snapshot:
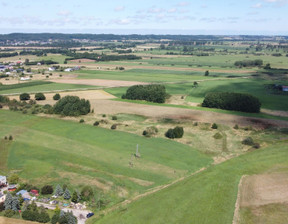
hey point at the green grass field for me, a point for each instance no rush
(151, 75)
(55, 151)
(239, 85)
(40, 86)
(207, 197)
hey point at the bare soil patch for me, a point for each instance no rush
(116, 107)
(82, 60)
(97, 82)
(87, 94)
(264, 189)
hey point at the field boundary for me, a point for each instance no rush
(236, 217)
(147, 193)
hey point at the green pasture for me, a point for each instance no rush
(40, 86)
(51, 151)
(239, 85)
(207, 197)
(217, 60)
(152, 75)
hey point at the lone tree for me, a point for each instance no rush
(67, 194)
(206, 73)
(8, 201)
(59, 190)
(56, 96)
(40, 96)
(24, 96)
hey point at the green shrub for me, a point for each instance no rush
(232, 101)
(56, 96)
(24, 96)
(13, 179)
(72, 106)
(114, 117)
(114, 126)
(9, 213)
(87, 193)
(177, 132)
(10, 137)
(217, 136)
(214, 126)
(96, 123)
(150, 131)
(248, 141)
(81, 121)
(236, 127)
(40, 96)
(151, 93)
(47, 189)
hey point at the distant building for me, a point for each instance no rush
(285, 88)
(2, 197)
(68, 70)
(24, 78)
(3, 180)
(51, 69)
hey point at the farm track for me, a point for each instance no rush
(149, 192)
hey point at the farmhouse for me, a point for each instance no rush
(51, 69)
(24, 78)
(3, 180)
(285, 88)
(12, 187)
(25, 195)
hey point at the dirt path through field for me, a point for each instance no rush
(137, 66)
(97, 82)
(115, 107)
(151, 191)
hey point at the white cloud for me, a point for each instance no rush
(183, 4)
(64, 13)
(172, 10)
(155, 10)
(119, 8)
(257, 6)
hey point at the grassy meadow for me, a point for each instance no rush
(54, 151)
(207, 197)
(40, 86)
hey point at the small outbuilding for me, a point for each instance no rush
(285, 88)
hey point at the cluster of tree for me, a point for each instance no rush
(101, 57)
(42, 62)
(32, 213)
(11, 203)
(151, 93)
(40, 96)
(176, 132)
(44, 52)
(249, 63)
(6, 55)
(72, 106)
(63, 218)
(232, 101)
(123, 51)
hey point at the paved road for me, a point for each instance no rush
(76, 212)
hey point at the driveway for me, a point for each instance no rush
(76, 212)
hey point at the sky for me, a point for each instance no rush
(256, 17)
